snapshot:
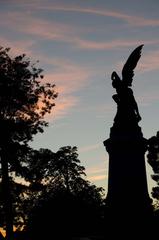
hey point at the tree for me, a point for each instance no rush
(65, 203)
(59, 214)
(67, 166)
(153, 160)
(45, 173)
(38, 175)
(24, 101)
(48, 172)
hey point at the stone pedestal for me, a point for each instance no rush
(128, 202)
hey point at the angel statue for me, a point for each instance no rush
(127, 107)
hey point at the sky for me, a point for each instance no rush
(78, 44)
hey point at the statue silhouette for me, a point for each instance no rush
(127, 202)
(127, 106)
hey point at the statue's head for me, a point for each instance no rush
(116, 82)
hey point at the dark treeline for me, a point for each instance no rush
(65, 204)
(45, 194)
(56, 200)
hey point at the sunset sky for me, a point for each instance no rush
(79, 43)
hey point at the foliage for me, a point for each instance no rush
(58, 190)
(66, 215)
(24, 101)
(49, 176)
(67, 166)
(153, 160)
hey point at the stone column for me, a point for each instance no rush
(127, 201)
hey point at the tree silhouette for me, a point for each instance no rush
(44, 167)
(24, 101)
(48, 174)
(66, 201)
(71, 202)
(67, 166)
(153, 160)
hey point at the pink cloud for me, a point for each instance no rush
(69, 81)
(89, 148)
(96, 170)
(17, 46)
(85, 44)
(132, 20)
(149, 97)
(97, 178)
(150, 61)
(100, 168)
(69, 78)
(51, 30)
(37, 27)
(62, 108)
(97, 173)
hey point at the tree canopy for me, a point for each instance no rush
(66, 200)
(153, 160)
(24, 100)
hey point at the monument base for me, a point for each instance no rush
(128, 205)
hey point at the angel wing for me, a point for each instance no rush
(128, 69)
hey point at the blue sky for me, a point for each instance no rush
(79, 44)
